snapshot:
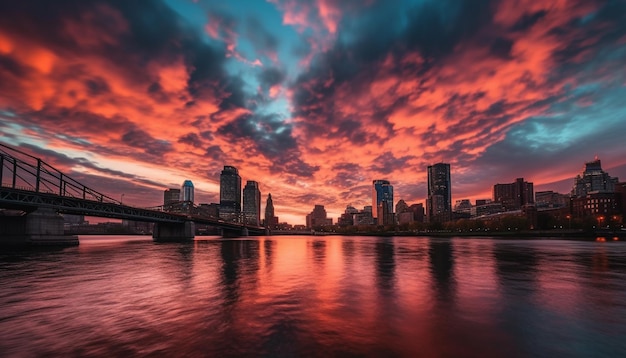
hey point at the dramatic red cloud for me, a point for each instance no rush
(143, 104)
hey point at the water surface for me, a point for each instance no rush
(315, 296)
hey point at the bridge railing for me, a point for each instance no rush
(19, 170)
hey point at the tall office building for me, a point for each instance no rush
(515, 195)
(186, 192)
(271, 221)
(252, 203)
(439, 201)
(171, 195)
(382, 202)
(230, 194)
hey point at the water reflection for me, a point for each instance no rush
(316, 296)
(441, 256)
(385, 265)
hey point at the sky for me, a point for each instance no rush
(315, 99)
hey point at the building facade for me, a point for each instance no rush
(318, 217)
(230, 194)
(252, 203)
(514, 196)
(439, 200)
(382, 202)
(187, 191)
(593, 180)
(271, 221)
(171, 196)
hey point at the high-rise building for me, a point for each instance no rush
(252, 203)
(439, 201)
(593, 180)
(382, 202)
(230, 194)
(271, 221)
(186, 192)
(514, 196)
(171, 195)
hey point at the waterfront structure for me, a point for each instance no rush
(382, 202)
(171, 195)
(363, 217)
(271, 221)
(230, 194)
(593, 180)
(596, 194)
(347, 218)
(252, 203)
(439, 200)
(514, 196)
(401, 206)
(318, 217)
(549, 200)
(187, 191)
(418, 212)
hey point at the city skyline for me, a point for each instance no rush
(314, 100)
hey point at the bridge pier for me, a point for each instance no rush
(174, 232)
(42, 227)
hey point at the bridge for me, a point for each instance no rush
(33, 194)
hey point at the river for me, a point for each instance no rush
(326, 296)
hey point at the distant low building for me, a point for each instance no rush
(514, 196)
(318, 217)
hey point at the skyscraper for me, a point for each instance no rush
(230, 194)
(186, 192)
(252, 203)
(439, 201)
(382, 202)
(271, 221)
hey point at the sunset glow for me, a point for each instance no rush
(314, 99)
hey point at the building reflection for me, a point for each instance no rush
(268, 248)
(441, 256)
(385, 265)
(319, 251)
(239, 258)
(516, 267)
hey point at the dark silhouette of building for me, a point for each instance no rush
(230, 194)
(208, 210)
(550, 199)
(363, 217)
(515, 195)
(418, 212)
(593, 180)
(596, 194)
(439, 201)
(252, 203)
(318, 217)
(171, 195)
(271, 221)
(347, 218)
(382, 202)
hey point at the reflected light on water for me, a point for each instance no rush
(315, 296)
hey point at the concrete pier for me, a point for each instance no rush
(174, 232)
(42, 227)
